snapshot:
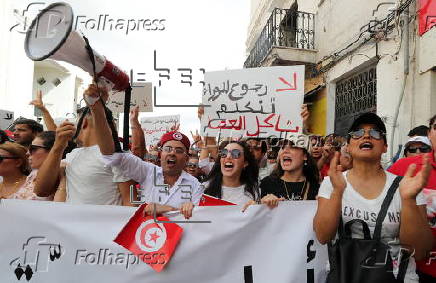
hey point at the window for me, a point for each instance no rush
(355, 95)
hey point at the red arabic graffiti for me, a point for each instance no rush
(240, 124)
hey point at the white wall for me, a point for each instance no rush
(338, 23)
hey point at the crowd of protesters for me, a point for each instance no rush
(82, 163)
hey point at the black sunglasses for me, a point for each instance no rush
(33, 148)
(7, 157)
(235, 153)
(421, 149)
(373, 133)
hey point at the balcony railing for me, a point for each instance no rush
(284, 28)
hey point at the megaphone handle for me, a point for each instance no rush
(127, 97)
(91, 56)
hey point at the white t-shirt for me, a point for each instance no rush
(355, 206)
(236, 195)
(89, 181)
(151, 178)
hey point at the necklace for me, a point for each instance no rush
(299, 196)
(15, 186)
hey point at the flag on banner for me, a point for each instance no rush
(154, 243)
(207, 200)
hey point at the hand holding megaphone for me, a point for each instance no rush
(94, 93)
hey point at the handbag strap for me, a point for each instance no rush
(384, 208)
(365, 228)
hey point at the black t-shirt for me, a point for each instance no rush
(287, 190)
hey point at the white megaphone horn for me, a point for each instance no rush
(50, 36)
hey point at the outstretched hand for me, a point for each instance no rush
(37, 102)
(411, 185)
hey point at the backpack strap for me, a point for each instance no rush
(384, 208)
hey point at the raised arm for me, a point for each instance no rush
(414, 228)
(326, 220)
(103, 132)
(48, 120)
(48, 174)
(138, 139)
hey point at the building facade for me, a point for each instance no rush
(364, 57)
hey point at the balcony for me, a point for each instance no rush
(287, 38)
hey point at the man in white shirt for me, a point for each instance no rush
(88, 180)
(166, 188)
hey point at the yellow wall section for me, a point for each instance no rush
(318, 114)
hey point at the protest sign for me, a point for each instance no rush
(155, 127)
(255, 102)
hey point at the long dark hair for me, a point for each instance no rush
(249, 175)
(310, 171)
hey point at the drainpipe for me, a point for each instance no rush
(406, 73)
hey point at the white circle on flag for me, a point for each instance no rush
(177, 136)
(150, 236)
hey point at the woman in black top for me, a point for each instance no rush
(295, 177)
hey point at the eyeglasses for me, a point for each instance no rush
(373, 133)
(33, 148)
(235, 153)
(421, 149)
(169, 149)
(7, 157)
(192, 164)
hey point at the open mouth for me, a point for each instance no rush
(171, 161)
(366, 146)
(287, 160)
(228, 165)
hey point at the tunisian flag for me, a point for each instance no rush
(154, 243)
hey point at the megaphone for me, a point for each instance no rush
(50, 36)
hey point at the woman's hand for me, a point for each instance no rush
(336, 176)
(250, 202)
(271, 200)
(410, 185)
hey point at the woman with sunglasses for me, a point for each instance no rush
(359, 193)
(295, 177)
(38, 152)
(234, 176)
(14, 169)
(417, 146)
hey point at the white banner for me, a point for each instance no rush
(57, 242)
(257, 102)
(155, 127)
(6, 119)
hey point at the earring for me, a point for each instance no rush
(305, 162)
